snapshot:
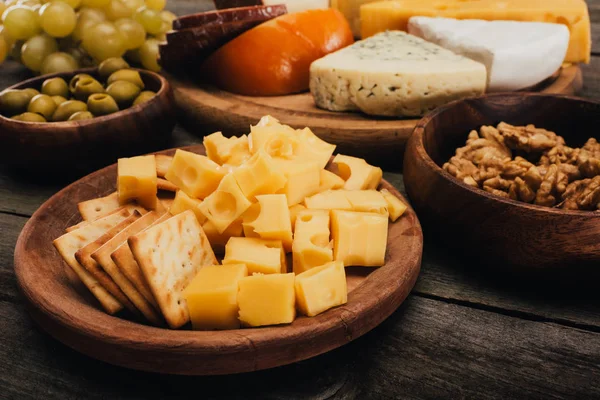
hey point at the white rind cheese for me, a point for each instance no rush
(516, 54)
(393, 74)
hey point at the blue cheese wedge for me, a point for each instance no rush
(516, 54)
(393, 74)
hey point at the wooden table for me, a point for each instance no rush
(462, 333)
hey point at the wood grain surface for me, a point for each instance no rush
(463, 333)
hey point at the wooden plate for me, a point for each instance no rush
(76, 320)
(206, 109)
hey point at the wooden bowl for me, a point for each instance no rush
(499, 231)
(76, 319)
(81, 146)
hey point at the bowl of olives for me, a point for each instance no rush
(81, 120)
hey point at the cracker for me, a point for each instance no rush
(170, 255)
(163, 163)
(164, 184)
(103, 206)
(69, 243)
(77, 226)
(102, 257)
(83, 256)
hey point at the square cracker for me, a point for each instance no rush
(163, 163)
(103, 206)
(125, 262)
(69, 243)
(170, 255)
(102, 257)
(83, 256)
(163, 184)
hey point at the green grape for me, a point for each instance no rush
(161, 37)
(75, 4)
(83, 26)
(95, 3)
(83, 59)
(134, 4)
(2, 7)
(59, 62)
(117, 9)
(36, 49)
(94, 14)
(149, 55)
(168, 17)
(9, 41)
(3, 49)
(21, 22)
(58, 19)
(157, 5)
(132, 31)
(11, 3)
(104, 41)
(150, 20)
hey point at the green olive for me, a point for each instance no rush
(68, 108)
(123, 92)
(102, 104)
(126, 75)
(75, 79)
(86, 87)
(31, 92)
(14, 101)
(29, 117)
(111, 65)
(42, 104)
(144, 97)
(81, 115)
(58, 100)
(55, 87)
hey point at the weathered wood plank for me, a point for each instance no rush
(10, 226)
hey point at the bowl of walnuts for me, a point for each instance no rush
(510, 178)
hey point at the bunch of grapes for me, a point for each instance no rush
(49, 36)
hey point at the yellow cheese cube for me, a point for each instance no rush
(232, 151)
(321, 288)
(183, 202)
(196, 175)
(303, 179)
(394, 15)
(137, 180)
(273, 220)
(357, 173)
(329, 181)
(259, 175)
(226, 204)
(212, 297)
(328, 200)
(259, 255)
(359, 238)
(367, 200)
(314, 148)
(267, 300)
(248, 218)
(311, 246)
(219, 240)
(294, 210)
(394, 205)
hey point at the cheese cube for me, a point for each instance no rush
(394, 205)
(329, 181)
(248, 218)
(359, 238)
(303, 179)
(259, 175)
(267, 300)
(314, 148)
(219, 240)
(321, 288)
(367, 200)
(260, 255)
(294, 210)
(232, 151)
(273, 220)
(311, 246)
(136, 180)
(196, 175)
(212, 297)
(183, 202)
(226, 204)
(328, 200)
(357, 173)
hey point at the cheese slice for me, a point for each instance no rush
(351, 10)
(510, 50)
(393, 74)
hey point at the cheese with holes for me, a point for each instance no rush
(260, 255)
(357, 173)
(212, 297)
(231, 151)
(217, 239)
(259, 175)
(303, 179)
(321, 288)
(328, 200)
(314, 148)
(329, 180)
(226, 204)
(248, 217)
(273, 219)
(391, 15)
(394, 205)
(294, 210)
(311, 246)
(510, 50)
(267, 300)
(183, 202)
(196, 175)
(393, 74)
(136, 180)
(359, 238)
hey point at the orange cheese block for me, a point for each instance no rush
(274, 57)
